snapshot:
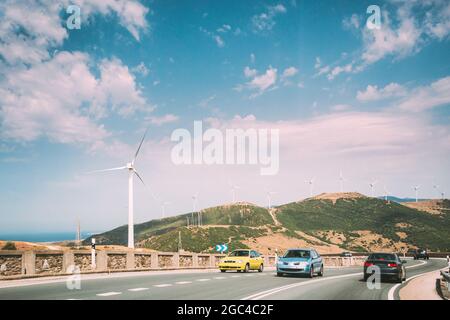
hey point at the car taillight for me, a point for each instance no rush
(368, 264)
(392, 265)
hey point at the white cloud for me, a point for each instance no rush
(249, 73)
(224, 28)
(219, 41)
(167, 118)
(141, 69)
(43, 27)
(260, 83)
(289, 72)
(266, 20)
(341, 107)
(338, 70)
(372, 93)
(352, 22)
(217, 38)
(252, 58)
(427, 97)
(61, 99)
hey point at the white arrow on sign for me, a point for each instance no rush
(221, 247)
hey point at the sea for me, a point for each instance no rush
(44, 236)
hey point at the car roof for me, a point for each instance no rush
(305, 249)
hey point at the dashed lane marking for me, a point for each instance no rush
(108, 294)
(162, 285)
(183, 282)
(137, 289)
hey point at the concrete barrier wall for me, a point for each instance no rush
(16, 264)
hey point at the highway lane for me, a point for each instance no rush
(352, 287)
(343, 283)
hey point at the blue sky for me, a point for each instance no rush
(370, 103)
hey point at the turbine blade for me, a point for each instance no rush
(140, 145)
(137, 174)
(104, 170)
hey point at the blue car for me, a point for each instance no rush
(300, 261)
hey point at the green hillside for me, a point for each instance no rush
(239, 214)
(346, 214)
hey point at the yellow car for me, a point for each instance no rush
(242, 260)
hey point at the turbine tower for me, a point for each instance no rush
(233, 191)
(416, 189)
(311, 186)
(131, 173)
(163, 208)
(269, 198)
(341, 181)
(372, 185)
(386, 194)
(194, 206)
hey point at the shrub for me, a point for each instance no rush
(9, 246)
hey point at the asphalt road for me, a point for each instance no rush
(342, 283)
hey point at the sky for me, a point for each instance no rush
(372, 104)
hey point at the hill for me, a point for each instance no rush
(331, 222)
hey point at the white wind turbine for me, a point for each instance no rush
(269, 198)
(233, 191)
(372, 185)
(194, 208)
(386, 193)
(163, 208)
(311, 186)
(341, 181)
(416, 189)
(131, 172)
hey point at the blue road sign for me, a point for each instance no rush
(221, 247)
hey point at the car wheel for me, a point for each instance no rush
(311, 272)
(247, 268)
(279, 274)
(261, 268)
(222, 270)
(238, 270)
(321, 271)
(366, 277)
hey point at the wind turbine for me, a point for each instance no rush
(311, 186)
(269, 198)
(131, 172)
(386, 192)
(233, 191)
(163, 207)
(341, 181)
(372, 185)
(416, 189)
(194, 206)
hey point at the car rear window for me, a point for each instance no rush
(382, 256)
(297, 254)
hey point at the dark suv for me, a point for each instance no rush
(421, 254)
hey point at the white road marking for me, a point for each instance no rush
(219, 278)
(416, 265)
(248, 275)
(183, 282)
(202, 280)
(162, 285)
(236, 276)
(73, 299)
(392, 290)
(108, 294)
(266, 293)
(137, 289)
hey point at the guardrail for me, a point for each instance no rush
(21, 264)
(445, 284)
